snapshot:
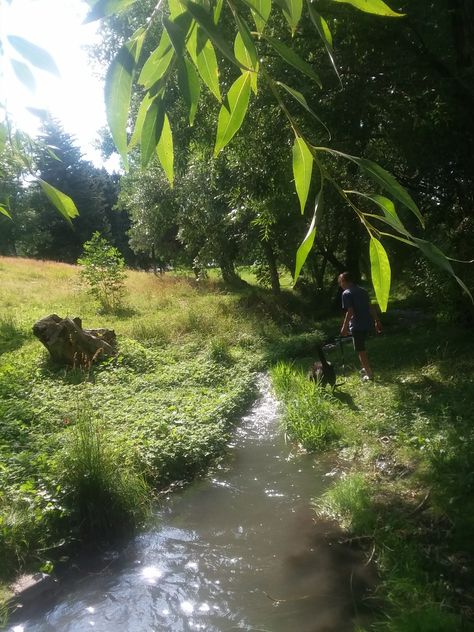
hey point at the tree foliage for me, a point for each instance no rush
(199, 44)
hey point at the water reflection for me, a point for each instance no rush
(236, 551)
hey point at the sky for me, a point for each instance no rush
(76, 98)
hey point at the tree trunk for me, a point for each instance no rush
(69, 344)
(272, 266)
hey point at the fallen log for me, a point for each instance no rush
(68, 343)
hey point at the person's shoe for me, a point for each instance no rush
(363, 372)
(367, 378)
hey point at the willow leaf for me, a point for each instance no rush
(242, 54)
(289, 55)
(118, 91)
(232, 113)
(4, 211)
(204, 57)
(164, 150)
(383, 178)
(151, 130)
(261, 10)
(324, 33)
(24, 74)
(189, 86)
(206, 22)
(292, 11)
(302, 170)
(306, 245)
(381, 273)
(33, 54)
(137, 130)
(60, 200)
(157, 63)
(376, 7)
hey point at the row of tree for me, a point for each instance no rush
(403, 96)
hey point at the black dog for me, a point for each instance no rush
(323, 372)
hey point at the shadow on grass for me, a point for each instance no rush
(11, 337)
(346, 399)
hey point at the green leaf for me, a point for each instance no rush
(24, 74)
(103, 8)
(243, 56)
(34, 54)
(4, 211)
(176, 8)
(382, 178)
(151, 130)
(217, 11)
(177, 30)
(118, 91)
(388, 209)
(261, 10)
(434, 254)
(190, 87)
(206, 22)
(247, 43)
(292, 11)
(60, 200)
(372, 6)
(324, 32)
(232, 113)
(380, 271)
(388, 182)
(164, 150)
(302, 101)
(293, 59)
(137, 130)
(204, 57)
(302, 169)
(306, 245)
(157, 63)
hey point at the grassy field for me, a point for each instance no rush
(83, 451)
(405, 483)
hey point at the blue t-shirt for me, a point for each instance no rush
(357, 298)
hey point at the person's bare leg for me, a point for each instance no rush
(364, 361)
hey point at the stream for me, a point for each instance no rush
(239, 549)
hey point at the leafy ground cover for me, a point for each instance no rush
(81, 451)
(405, 455)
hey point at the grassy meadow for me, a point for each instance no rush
(404, 452)
(83, 452)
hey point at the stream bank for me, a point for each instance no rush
(237, 549)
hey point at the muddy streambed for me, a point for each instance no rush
(237, 550)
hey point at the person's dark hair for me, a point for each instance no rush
(347, 277)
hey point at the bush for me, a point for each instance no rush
(105, 495)
(104, 272)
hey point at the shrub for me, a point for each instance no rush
(104, 494)
(104, 272)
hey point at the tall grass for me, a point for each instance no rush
(107, 496)
(307, 408)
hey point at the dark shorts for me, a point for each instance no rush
(359, 338)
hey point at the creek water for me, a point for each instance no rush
(237, 550)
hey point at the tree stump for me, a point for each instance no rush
(69, 344)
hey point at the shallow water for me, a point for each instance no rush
(237, 550)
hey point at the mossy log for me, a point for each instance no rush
(68, 343)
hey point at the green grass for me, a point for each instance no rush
(406, 452)
(307, 412)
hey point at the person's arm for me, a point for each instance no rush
(345, 324)
(378, 324)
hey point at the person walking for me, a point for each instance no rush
(359, 319)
